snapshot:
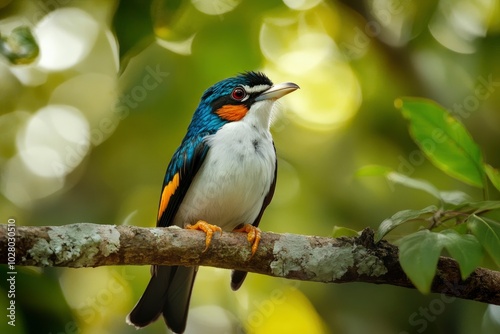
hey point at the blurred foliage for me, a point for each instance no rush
(20, 47)
(70, 153)
(461, 228)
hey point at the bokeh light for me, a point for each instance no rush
(217, 7)
(298, 48)
(458, 24)
(94, 94)
(66, 37)
(54, 141)
(301, 4)
(23, 187)
(63, 115)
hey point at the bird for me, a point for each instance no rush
(221, 178)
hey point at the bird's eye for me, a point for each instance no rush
(238, 94)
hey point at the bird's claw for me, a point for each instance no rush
(209, 230)
(253, 236)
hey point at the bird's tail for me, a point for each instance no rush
(167, 293)
(237, 278)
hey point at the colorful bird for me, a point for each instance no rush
(223, 173)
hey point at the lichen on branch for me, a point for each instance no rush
(301, 257)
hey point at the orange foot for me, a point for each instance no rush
(209, 230)
(253, 236)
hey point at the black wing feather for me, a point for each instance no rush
(186, 161)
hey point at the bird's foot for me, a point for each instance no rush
(209, 230)
(253, 236)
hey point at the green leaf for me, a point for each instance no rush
(444, 140)
(464, 248)
(454, 197)
(402, 217)
(413, 183)
(461, 229)
(493, 175)
(477, 207)
(419, 254)
(488, 234)
(339, 231)
(373, 170)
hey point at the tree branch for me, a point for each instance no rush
(308, 258)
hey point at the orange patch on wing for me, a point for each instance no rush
(168, 191)
(232, 112)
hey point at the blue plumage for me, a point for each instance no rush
(186, 161)
(204, 119)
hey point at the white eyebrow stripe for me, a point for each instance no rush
(256, 89)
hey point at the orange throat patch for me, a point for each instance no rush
(232, 112)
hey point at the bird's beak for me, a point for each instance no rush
(277, 91)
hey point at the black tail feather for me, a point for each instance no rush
(168, 292)
(237, 278)
(175, 310)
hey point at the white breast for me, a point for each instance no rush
(235, 177)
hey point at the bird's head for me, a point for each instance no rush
(250, 95)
